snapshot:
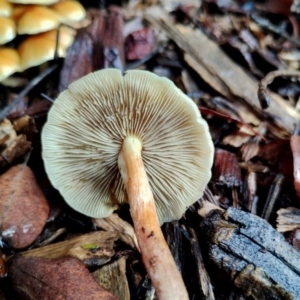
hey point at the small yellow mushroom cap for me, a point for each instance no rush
(36, 19)
(40, 2)
(70, 12)
(5, 8)
(40, 48)
(7, 30)
(9, 62)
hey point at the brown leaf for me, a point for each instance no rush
(66, 278)
(139, 43)
(23, 207)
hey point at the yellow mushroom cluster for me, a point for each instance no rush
(38, 21)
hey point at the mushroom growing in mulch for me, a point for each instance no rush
(134, 138)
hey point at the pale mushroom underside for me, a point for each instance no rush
(88, 122)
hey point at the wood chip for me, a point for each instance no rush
(288, 219)
(225, 76)
(12, 146)
(94, 248)
(115, 224)
(256, 257)
(226, 169)
(113, 278)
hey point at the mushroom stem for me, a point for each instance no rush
(156, 254)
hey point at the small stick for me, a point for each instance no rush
(205, 286)
(263, 98)
(269, 26)
(26, 90)
(47, 97)
(272, 196)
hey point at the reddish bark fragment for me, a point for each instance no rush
(295, 238)
(226, 169)
(139, 44)
(295, 147)
(100, 45)
(23, 207)
(2, 267)
(78, 61)
(65, 278)
(113, 41)
(282, 7)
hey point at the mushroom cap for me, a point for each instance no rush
(36, 19)
(37, 49)
(88, 122)
(7, 30)
(70, 11)
(5, 8)
(9, 62)
(41, 2)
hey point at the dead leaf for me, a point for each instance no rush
(66, 279)
(23, 207)
(139, 43)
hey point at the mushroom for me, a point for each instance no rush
(137, 139)
(36, 19)
(7, 30)
(39, 48)
(70, 12)
(41, 2)
(9, 62)
(5, 8)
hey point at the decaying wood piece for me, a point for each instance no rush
(227, 173)
(35, 278)
(288, 219)
(115, 224)
(229, 79)
(204, 282)
(255, 256)
(173, 234)
(12, 145)
(273, 195)
(113, 278)
(95, 248)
